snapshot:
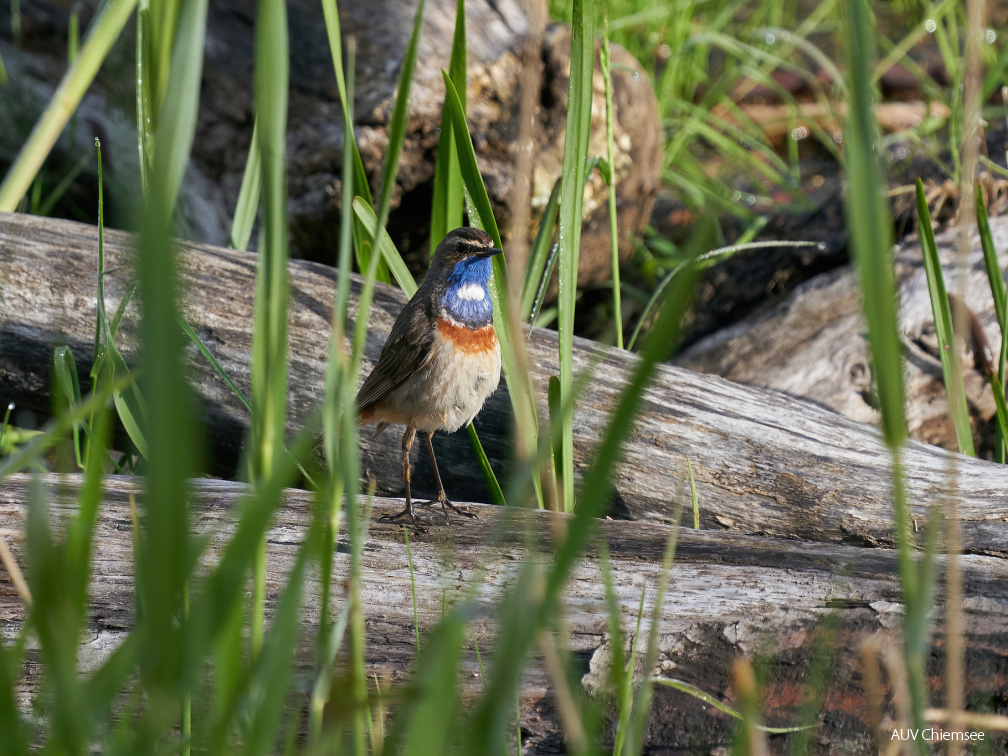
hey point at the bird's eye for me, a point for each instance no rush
(459, 248)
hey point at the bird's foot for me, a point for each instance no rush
(407, 516)
(442, 499)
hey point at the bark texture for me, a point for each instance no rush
(729, 596)
(813, 343)
(763, 461)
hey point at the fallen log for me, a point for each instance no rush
(812, 344)
(763, 461)
(729, 596)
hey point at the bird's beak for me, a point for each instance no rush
(489, 252)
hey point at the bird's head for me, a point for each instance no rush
(462, 267)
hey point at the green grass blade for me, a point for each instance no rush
(447, 200)
(575, 159)
(100, 288)
(532, 601)
(951, 366)
(80, 533)
(176, 122)
(397, 130)
(357, 531)
(642, 704)
(426, 721)
(555, 403)
(164, 557)
(347, 200)
(606, 66)
(14, 731)
(269, 351)
(870, 225)
(57, 637)
(496, 494)
(994, 276)
(385, 246)
(540, 297)
(248, 196)
(360, 182)
(1000, 452)
(214, 363)
(144, 114)
(270, 683)
(58, 427)
(339, 425)
(5, 446)
(131, 407)
(473, 179)
(102, 34)
(164, 20)
(997, 286)
(481, 216)
(269, 370)
(1002, 407)
(536, 276)
(65, 370)
(870, 229)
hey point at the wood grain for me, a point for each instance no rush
(812, 344)
(729, 595)
(764, 461)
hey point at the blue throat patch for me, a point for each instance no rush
(461, 300)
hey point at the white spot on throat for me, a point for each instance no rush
(471, 292)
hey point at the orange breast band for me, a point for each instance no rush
(471, 341)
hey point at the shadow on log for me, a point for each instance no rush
(729, 596)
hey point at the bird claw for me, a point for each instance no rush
(446, 505)
(407, 517)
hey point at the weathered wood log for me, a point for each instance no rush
(763, 461)
(728, 596)
(812, 344)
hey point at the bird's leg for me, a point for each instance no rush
(406, 514)
(442, 497)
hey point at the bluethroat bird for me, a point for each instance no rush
(442, 359)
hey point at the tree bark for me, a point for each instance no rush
(728, 596)
(763, 461)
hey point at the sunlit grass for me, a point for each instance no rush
(575, 170)
(102, 33)
(870, 229)
(947, 349)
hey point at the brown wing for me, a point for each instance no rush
(409, 348)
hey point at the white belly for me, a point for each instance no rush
(451, 390)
